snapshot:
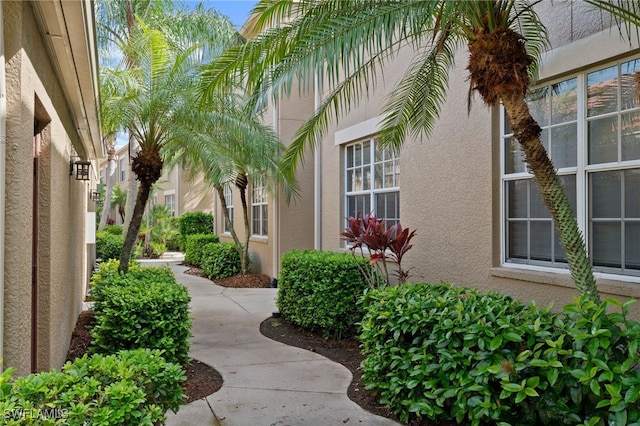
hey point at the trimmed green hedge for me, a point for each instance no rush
(195, 245)
(483, 358)
(192, 223)
(145, 308)
(130, 387)
(319, 290)
(113, 230)
(108, 245)
(220, 260)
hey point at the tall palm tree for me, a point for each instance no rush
(110, 125)
(119, 200)
(117, 23)
(155, 99)
(236, 148)
(347, 41)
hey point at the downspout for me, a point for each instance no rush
(317, 175)
(276, 203)
(3, 144)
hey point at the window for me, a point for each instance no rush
(372, 181)
(591, 130)
(170, 203)
(228, 199)
(123, 170)
(259, 208)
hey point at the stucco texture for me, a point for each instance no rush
(33, 92)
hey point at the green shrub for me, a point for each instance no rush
(195, 223)
(194, 246)
(220, 260)
(145, 308)
(131, 387)
(454, 353)
(425, 346)
(113, 230)
(319, 290)
(587, 372)
(108, 246)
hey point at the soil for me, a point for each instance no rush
(237, 281)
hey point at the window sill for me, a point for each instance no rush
(562, 278)
(259, 239)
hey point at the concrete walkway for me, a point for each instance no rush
(266, 383)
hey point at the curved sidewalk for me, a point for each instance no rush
(266, 383)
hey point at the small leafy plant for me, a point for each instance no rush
(383, 245)
(130, 387)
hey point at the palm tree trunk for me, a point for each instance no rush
(527, 132)
(244, 257)
(132, 188)
(134, 227)
(109, 175)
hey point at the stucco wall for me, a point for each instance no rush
(62, 202)
(450, 182)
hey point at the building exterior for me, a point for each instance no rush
(48, 121)
(465, 189)
(173, 190)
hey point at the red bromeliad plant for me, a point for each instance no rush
(382, 244)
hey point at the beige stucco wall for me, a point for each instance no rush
(450, 182)
(63, 201)
(191, 195)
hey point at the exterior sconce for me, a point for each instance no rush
(81, 166)
(95, 196)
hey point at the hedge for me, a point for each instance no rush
(483, 358)
(195, 223)
(220, 260)
(319, 290)
(145, 308)
(194, 246)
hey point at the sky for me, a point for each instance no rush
(236, 10)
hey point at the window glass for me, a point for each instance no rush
(596, 112)
(372, 181)
(259, 207)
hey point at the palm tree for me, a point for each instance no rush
(235, 148)
(119, 200)
(346, 41)
(117, 23)
(155, 97)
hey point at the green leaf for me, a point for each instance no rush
(512, 387)
(621, 418)
(495, 343)
(512, 337)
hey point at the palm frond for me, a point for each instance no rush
(626, 13)
(414, 104)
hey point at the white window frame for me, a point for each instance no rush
(123, 170)
(228, 198)
(581, 171)
(170, 202)
(373, 191)
(259, 208)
